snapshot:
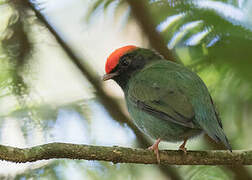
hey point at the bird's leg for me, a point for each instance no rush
(182, 146)
(154, 148)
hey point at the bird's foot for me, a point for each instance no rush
(182, 146)
(154, 148)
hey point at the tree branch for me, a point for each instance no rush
(240, 172)
(123, 155)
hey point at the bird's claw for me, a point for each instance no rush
(183, 149)
(182, 146)
(154, 148)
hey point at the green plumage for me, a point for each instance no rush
(167, 100)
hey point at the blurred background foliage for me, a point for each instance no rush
(44, 96)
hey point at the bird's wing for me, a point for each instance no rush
(154, 92)
(216, 113)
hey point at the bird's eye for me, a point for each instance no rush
(125, 62)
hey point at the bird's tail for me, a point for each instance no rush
(215, 131)
(218, 135)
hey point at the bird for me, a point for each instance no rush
(166, 100)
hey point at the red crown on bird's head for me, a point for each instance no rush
(114, 57)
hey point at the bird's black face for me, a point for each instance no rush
(129, 64)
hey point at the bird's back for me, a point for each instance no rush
(165, 74)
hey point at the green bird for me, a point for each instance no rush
(166, 100)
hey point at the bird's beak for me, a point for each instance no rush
(109, 76)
